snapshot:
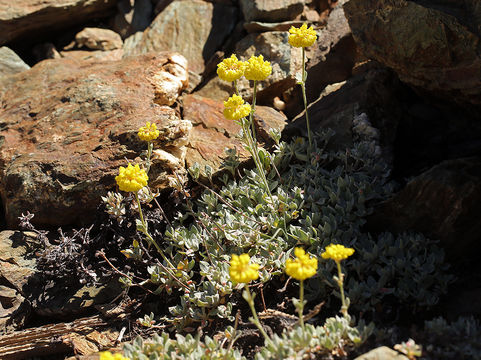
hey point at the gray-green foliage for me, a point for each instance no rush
(335, 336)
(161, 347)
(456, 340)
(318, 199)
(408, 267)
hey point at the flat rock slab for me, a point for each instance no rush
(68, 125)
(432, 47)
(22, 18)
(196, 29)
(212, 132)
(382, 353)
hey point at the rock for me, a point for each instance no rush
(443, 203)
(434, 48)
(257, 26)
(194, 28)
(10, 62)
(271, 10)
(285, 61)
(330, 59)
(24, 18)
(99, 55)
(98, 39)
(17, 267)
(132, 16)
(216, 89)
(67, 126)
(374, 93)
(212, 133)
(382, 353)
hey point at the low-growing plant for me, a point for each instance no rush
(459, 339)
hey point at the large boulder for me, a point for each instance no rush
(22, 18)
(433, 47)
(443, 203)
(196, 29)
(68, 125)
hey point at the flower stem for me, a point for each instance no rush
(255, 319)
(146, 231)
(303, 88)
(340, 282)
(150, 147)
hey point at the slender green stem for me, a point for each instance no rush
(255, 319)
(301, 304)
(251, 115)
(150, 147)
(236, 88)
(303, 88)
(340, 282)
(250, 141)
(146, 231)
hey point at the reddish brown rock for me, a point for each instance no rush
(432, 47)
(68, 125)
(212, 132)
(21, 18)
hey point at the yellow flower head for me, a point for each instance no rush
(337, 252)
(235, 108)
(148, 132)
(230, 69)
(257, 68)
(241, 271)
(302, 267)
(302, 37)
(131, 178)
(107, 355)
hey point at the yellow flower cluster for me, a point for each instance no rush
(148, 132)
(302, 267)
(131, 178)
(241, 271)
(302, 37)
(230, 69)
(257, 69)
(235, 108)
(107, 355)
(337, 252)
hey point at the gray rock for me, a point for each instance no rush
(382, 353)
(10, 62)
(271, 10)
(285, 61)
(194, 28)
(257, 26)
